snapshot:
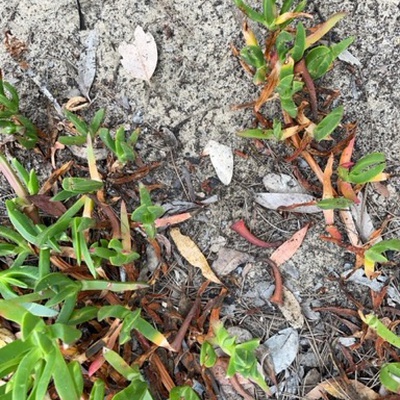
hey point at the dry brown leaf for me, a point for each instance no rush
(140, 57)
(192, 254)
(286, 250)
(291, 309)
(44, 203)
(339, 389)
(229, 259)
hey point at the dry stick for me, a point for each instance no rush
(177, 343)
(277, 297)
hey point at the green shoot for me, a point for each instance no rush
(242, 357)
(123, 148)
(82, 128)
(147, 213)
(11, 121)
(133, 320)
(368, 168)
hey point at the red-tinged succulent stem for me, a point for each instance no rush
(301, 68)
(241, 228)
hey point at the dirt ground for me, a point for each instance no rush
(188, 102)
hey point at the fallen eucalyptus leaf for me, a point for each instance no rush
(228, 260)
(192, 254)
(273, 201)
(140, 57)
(286, 250)
(222, 160)
(359, 277)
(346, 56)
(283, 348)
(340, 389)
(282, 183)
(362, 219)
(87, 64)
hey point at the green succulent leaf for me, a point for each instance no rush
(283, 44)
(340, 47)
(318, 61)
(183, 392)
(252, 14)
(299, 43)
(80, 125)
(98, 390)
(287, 4)
(208, 356)
(374, 253)
(365, 170)
(81, 185)
(328, 124)
(97, 121)
(72, 140)
(105, 136)
(389, 375)
(257, 134)
(340, 203)
(253, 55)
(269, 12)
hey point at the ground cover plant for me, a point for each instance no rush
(286, 67)
(77, 320)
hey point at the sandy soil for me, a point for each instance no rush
(196, 82)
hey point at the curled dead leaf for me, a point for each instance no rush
(291, 309)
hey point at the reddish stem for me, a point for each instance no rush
(241, 228)
(301, 68)
(277, 297)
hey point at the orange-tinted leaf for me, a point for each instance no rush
(286, 250)
(328, 190)
(172, 220)
(334, 232)
(272, 81)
